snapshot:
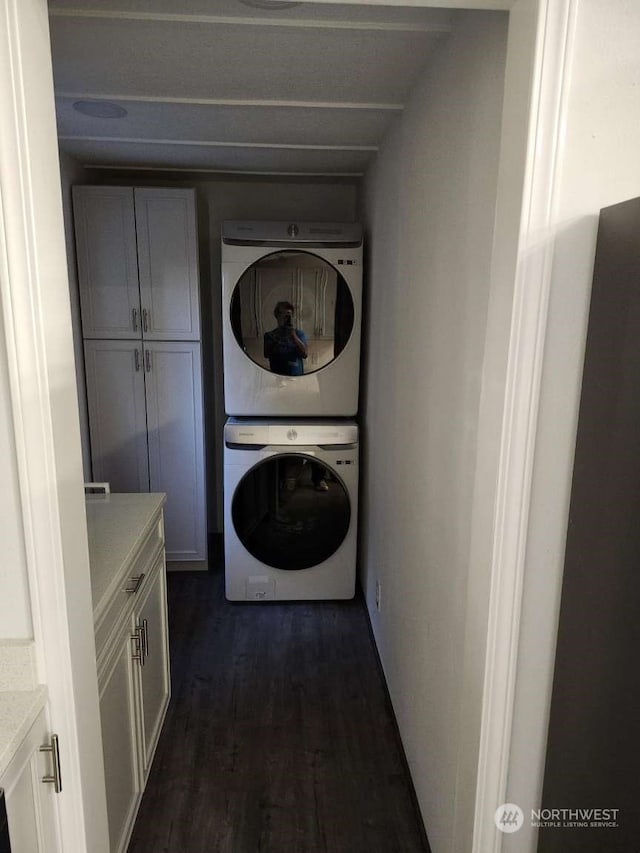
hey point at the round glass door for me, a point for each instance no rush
(291, 512)
(292, 313)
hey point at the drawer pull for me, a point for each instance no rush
(56, 778)
(136, 584)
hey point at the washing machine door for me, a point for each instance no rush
(291, 512)
(292, 313)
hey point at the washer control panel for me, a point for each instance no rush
(284, 433)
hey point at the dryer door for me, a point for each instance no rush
(292, 313)
(291, 512)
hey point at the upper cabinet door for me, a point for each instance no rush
(168, 264)
(107, 261)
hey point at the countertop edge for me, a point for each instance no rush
(18, 711)
(101, 606)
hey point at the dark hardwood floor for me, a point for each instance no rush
(279, 736)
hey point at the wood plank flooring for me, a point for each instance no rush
(279, 736)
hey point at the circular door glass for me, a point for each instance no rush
(291, 512)
(292, 313)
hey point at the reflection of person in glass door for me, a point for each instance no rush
(293, 471)
(285, 346)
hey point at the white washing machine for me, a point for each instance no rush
(306, 363)
(290, 509)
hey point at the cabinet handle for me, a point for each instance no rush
(145, 320)
(137, 359)
(56, 778)
(134, 317)
(138, 654)
(136, 584)
(145, 635)
(141, 629)
(147, 360)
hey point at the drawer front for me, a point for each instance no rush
(129, 586)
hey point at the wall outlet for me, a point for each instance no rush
(378, 595)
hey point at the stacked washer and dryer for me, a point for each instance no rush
(292, 307)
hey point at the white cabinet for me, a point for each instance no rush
(130, 620)
(152, 670)
(117, 414)
(137, 262)
(145, 417)
(138, 278)
(134, 693)
(176, 455)
(107, 261)
(119, 742)
(168, 263)
(31, 806)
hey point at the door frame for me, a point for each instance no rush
(34, 293)
(512, 374)
(37, 324)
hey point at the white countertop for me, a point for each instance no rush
(18, 710)
(21, 697)
(116, 524)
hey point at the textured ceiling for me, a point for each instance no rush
(217, 85)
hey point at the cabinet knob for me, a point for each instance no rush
(56, 778)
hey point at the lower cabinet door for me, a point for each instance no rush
(173, 389)
(119, 746)
(154, 684)
(32, 809)
(117, 414)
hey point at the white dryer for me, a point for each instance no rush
(307, 363)
(290, 509)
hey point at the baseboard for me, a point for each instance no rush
(423, 831)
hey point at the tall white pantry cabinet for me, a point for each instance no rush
(139, 297)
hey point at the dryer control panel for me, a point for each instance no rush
(331, 233)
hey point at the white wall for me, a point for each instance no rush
(600, 167)
(15, 607)
(430, 204)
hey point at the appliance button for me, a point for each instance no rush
(292, 434)
(293, 230)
